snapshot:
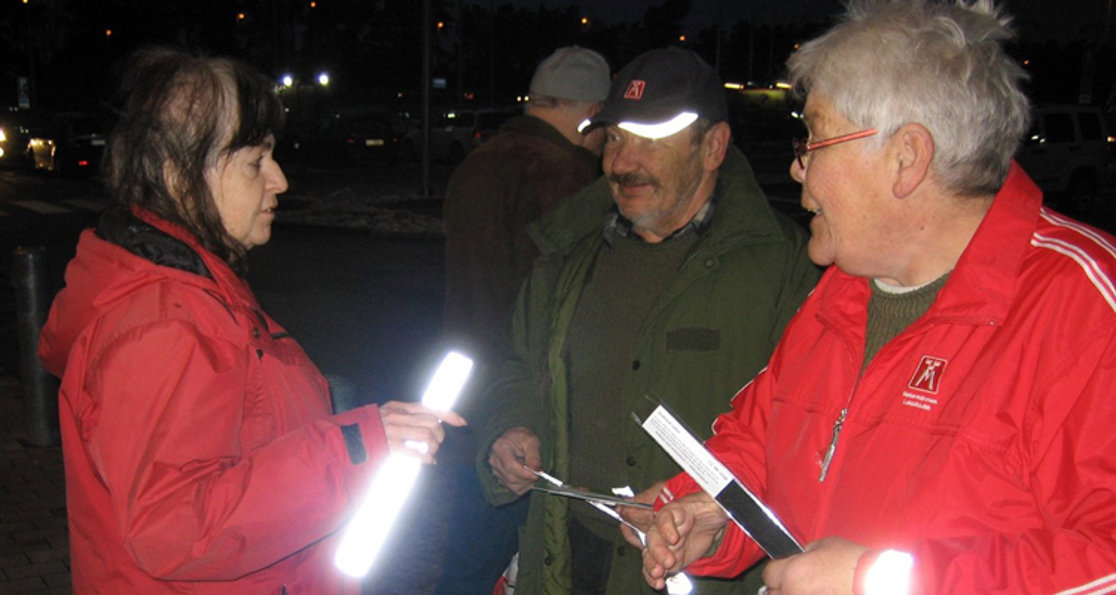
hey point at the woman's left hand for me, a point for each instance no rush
(414, 429)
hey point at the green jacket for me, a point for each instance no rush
(709, 333)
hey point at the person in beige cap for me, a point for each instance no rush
(534, 161)
(529, 165)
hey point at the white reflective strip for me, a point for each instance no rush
(661, 129)
(890, 574)
(1081, 228)
(1092, 270)
(364, 536)
(1105, 584)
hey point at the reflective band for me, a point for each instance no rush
(883, 572)
(662, 129)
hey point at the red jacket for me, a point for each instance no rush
(199, 449)
(980, 439)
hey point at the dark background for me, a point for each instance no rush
(483, 50)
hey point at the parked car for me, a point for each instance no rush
(456, 132)
(15, 129)
(346, 134)
(69, 143)
(1069, 153)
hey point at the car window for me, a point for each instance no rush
(1059, 127)
(1090, 124)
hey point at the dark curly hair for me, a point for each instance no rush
(180, 113)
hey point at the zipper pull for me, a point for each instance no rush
(829, 452)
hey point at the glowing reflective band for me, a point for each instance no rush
(889, 573)
(662, 129)
(583, 125)
(447, 382)
(369, 528)
(679, 584)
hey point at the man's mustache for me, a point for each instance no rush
(633, 179)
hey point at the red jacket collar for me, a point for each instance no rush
(983, 285)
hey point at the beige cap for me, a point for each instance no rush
(573, 73)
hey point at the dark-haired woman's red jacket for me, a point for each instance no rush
(199, 448)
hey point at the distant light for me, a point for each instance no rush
(313, 5)
(323, 79)
(441, 25)
(108, 32)
(782, 85)
(1027, 62)
(288, 81)
(681, 38)
(584, 20)
(367, 531)
(399, 95)
(734, 86)
(83, 163)
(240, 16)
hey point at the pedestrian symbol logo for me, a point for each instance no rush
(635, 90)
(928, 375)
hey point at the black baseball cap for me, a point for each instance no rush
(661, 92)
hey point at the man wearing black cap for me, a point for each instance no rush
(670, 276)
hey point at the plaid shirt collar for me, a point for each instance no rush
(617, 225)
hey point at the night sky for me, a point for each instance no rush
(485, 52)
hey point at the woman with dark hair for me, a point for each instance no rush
(199, 447)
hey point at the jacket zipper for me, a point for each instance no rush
(829, 452)
(837, 426)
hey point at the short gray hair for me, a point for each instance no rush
(940, 64)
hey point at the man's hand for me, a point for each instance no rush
(640, 517)
(515, 448)
(412, 428)
(828, 566)
(682, 532)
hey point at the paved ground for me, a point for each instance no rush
(34, 553)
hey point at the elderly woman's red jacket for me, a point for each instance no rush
(199, 448)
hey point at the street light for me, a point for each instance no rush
(323, 79)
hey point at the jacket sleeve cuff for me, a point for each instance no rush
(362, 434)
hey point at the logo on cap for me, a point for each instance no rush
(635, 90)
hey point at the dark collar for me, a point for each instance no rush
(120, 227)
